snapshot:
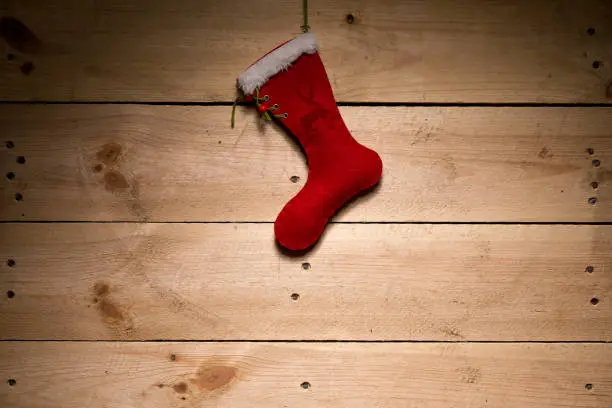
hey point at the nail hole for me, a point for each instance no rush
(294, 179)
(11, 382)
(172, 357)
(594, 184)
(306, 266)
(11, 263)
(588, 386)
(596, 163)
(10, 294)
(305, 385)
(10, 57)
(592, 200)
(21, 160)
(18, 197)
(590, 150)
(295, 296)
(10, 144)
(589, 269)
(350, 19)
(594, 301)
(27, 67)
(590, 31)
(596, 64)
(10, 175)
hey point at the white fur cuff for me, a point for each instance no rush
(279, 59)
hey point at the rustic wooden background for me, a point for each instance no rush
(139, 267)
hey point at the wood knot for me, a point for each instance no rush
(101, 289)
(18, 36)
(180, 388)
(109, 153)
(109, 311)
(214, 377)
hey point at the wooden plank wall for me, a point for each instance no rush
(375, 50)
(307, 375)
(459, 164)
(139, 267)
(421, 282)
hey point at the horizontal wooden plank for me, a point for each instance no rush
(364, 282)
(374, 50)
(162, 163)
(100, 375)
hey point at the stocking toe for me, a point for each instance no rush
(297, 228)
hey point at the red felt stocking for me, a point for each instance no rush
(290, 84)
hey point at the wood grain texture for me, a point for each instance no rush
(134, 375)
(387, 50)
(169, 163)
(364, 282)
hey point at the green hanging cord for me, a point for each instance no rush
(305, 27)
(234, 111)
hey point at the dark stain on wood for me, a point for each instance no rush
(110, 312)
(609, 90)
(485, 247)
(18, 36)
(214, 377)
(469, 375)
(115, 181)
(545, 154)
(451, 331)
(101, 289)
(135, 206)
(109, 154)
(27, 68)
(180, 388)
